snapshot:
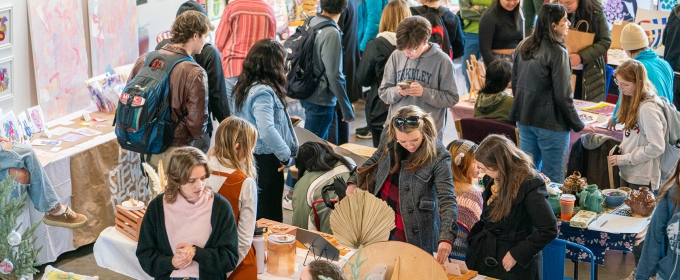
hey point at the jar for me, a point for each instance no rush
(281, 255)
(591, 199)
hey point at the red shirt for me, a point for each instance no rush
(243, 23)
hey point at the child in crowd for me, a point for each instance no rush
(641, 112)
(232, 176)
(322, 270)
(318, 165)
(517, 221)
(419, 74)
(465, 173)
(494, 102)
(660, 250)
(372, 65)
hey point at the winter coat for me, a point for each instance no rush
(370, 13)
(671, 39)
(592, 57)
(347, 23)
(589, 157)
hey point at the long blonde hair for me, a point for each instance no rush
(633, 71)
(180, 164)
(392, 15)
(232, 131)
(427, 151)
(498, 153)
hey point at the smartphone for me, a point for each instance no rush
(615, 151)
(405, 84)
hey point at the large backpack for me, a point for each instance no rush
(300, 79)
(143, 121)
(439, 34)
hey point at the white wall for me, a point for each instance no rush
(158, 13)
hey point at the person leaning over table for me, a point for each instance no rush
(411, 171)
(189, 231)
(543, 108)
(517, 221)
(588, 64)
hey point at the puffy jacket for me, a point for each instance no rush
(592, 57)
(188, 96)
(542, 89)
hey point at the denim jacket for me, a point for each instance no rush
(663, 230)
(423, 195)
(264, 110)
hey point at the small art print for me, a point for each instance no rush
(6, 76)
(36, 116)
(10, 127)
(6, 24)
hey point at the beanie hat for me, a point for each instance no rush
(633, 37)
(190, 5)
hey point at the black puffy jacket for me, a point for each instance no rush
(370, 74)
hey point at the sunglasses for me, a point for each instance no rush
(410, 121)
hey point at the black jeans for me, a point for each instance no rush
(270, 187)
(338, 133)
(634, 186)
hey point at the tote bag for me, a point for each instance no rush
(576, 40)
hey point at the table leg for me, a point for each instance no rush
(596, 271)
(575, 269)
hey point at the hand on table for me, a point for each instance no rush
(508, 261)
(611, 125)
(590, 128)
(443, 252)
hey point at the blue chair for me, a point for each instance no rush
(554, 255)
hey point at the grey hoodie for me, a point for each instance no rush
(434, 71)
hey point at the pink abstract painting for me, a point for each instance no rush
(59, 56)
(113, 34)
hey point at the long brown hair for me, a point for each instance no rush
(547, 15)
(633, 71)
(427, 151)
(498, 153)
(180, 164)
(234, 130)
(393, 14)
(664, 191)
(264, 65)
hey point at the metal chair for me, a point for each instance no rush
(476, 129)
(554, 255)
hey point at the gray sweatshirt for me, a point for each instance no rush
(643, 145)
(434, 71)
(328, 55)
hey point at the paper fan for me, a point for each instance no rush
(361, 219)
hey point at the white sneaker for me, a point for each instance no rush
(287, 203)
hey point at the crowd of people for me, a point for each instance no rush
(202, 225)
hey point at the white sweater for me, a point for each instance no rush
(643, 145)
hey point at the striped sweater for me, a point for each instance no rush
(469, 211)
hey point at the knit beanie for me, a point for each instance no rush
(633, 37)
(190, 5)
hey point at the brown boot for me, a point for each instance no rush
(68, 219)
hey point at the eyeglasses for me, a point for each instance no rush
(410, 121)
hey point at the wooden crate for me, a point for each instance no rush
(129, 222)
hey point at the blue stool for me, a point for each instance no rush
(554, 255)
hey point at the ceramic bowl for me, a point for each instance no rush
(614, 197)
(625, 189)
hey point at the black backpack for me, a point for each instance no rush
(439, 34)
(300, 79)
(143, 121)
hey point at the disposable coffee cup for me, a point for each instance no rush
(567, 206)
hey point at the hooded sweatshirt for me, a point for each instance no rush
(434, 71)
(495, 106)
(659, 72)
(665, 226)
(641, 148)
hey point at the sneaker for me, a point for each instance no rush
(68, 219)
(287, 203)
(365, 135)
(362, 130)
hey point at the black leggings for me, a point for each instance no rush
(270, 184)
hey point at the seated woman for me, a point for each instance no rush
(188, 231)
(317, 166)
(412, 171)
(20, 160)
(494, 102)
(517, 221)
(465, 173)
(233, 170)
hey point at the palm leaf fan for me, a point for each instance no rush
(361, 219)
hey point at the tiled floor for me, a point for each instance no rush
(618, 265)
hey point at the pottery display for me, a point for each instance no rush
(591, 199)
(641, 202)
(554, 200)
(614, 198)
(574, 184)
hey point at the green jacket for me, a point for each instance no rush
(470, 16)
(302, 211)
(494, 106)
(592, 57)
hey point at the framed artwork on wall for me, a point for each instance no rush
(6, 75)
(6, 27)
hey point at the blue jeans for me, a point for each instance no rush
(40, 190)
(318, 118)
(471, 47)
(546, 144)
(230, 82)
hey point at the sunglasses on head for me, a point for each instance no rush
(410, 121)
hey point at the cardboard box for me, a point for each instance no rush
(617, 28)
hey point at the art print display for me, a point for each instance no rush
(25, 124)
(113, 34)
(59, 56)
(35, 115)
(215, 8)
(6, 27)
(6, 76)
(10, 129)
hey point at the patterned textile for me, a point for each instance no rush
(390, 194)
(598, 242)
